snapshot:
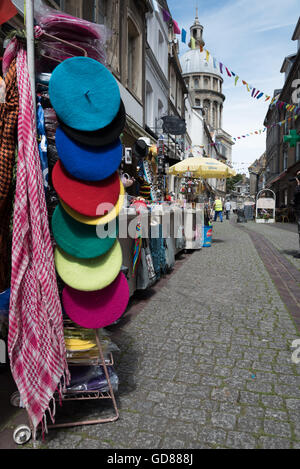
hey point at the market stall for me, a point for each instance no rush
(88, 227)
(192, 173)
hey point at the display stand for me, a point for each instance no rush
(265, 207)
(92, 395)
(23, 433)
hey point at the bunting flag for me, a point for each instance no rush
(166, 16)
(221, 67)
(7, 11)
(207, 56)
(193, 43)
(228, 72)
(183, 35)
(176, 28)
(236, 80)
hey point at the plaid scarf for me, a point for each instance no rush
(36, 338)
(8, 125)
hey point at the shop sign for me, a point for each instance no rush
(173, 125)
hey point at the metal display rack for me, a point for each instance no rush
(23, 433)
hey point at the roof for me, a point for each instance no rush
(288, 61)
(194, 61)
(296, 34)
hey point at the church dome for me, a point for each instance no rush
(194, 61)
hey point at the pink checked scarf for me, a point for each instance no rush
(36, 340)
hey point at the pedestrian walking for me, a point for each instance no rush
(227, 209)
(218, 208)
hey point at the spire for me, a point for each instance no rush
(197, 32)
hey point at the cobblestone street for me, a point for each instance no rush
(205, 362)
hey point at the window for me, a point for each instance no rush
(134, 59)
(72, 7)
(102, 11)
(88, 10)
(149, 104)
(286, 125)
(160, 109)
(196, 82)
(285, 197)
(160, 47)
(214, 117)
(108, 14)
(206, 82)
(285, 160)
(172, 84)
(197, 102)
(179, 96)
(298, 151)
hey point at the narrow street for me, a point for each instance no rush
(205, 361)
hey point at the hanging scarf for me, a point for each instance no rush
(36, 339)
(8, 125)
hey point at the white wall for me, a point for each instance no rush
(133, 108)
(156, 86)
(157, 38)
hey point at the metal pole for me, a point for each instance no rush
(30, 46)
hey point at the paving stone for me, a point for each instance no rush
(293, 404)
(223, 420)
(277, 414)
(212, 436)
(266, 442)
(193, 415)
(249, 424)
(274, 402)
(241, 440)
(225, 394)
(273, 427)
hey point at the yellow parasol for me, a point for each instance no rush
(200, 167)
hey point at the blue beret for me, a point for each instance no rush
(85, 162)
(84, 94)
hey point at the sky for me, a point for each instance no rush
(250, 37)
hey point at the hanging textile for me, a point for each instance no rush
(7, 11)
(36, 339)
(8, 125)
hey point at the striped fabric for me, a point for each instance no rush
(35, 341)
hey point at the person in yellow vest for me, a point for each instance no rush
(218, 208)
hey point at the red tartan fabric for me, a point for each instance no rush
(36, 340)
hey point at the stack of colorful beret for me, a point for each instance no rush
(91, 114)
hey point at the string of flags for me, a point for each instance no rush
(254, 92)
(249, 134)
(261, 131)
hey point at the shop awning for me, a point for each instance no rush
(137, 131)
(276, 178)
